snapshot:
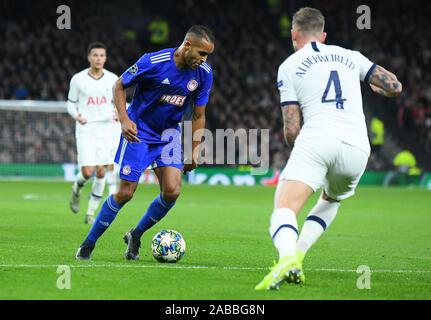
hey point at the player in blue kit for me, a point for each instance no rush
(166, 83)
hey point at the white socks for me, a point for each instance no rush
(284, 231)
(319, 218)
(111, 180)
(284, 227)
(80, 182)
(96, 195)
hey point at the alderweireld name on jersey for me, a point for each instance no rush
(311, 60)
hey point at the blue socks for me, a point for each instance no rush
(106, 215)
(156, 211)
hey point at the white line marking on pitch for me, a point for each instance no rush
(192, 267)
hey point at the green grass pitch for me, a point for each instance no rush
(228, 246)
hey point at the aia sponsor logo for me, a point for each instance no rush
(176, 100)
(96, 100)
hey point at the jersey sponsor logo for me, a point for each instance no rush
(126, 170)
(96, 100)
(192, 85)
(133, 69)
(173, 99)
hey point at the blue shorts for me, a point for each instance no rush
(134, 157)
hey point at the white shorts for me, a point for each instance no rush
(114, 145)
(326, 163)
(94, 151)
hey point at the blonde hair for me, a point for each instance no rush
(308, 20)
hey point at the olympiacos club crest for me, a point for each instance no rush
(192, 85)
(126, 170)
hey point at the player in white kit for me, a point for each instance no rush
(321, 83)
(97, 128)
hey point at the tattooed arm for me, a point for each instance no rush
(384, 82)
(292, 123)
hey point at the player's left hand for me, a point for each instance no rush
(115, 116)
(189, 165)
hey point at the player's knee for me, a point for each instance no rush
(121, 197)
(171, 193)
(124, 195)
(324, 196)
(100, 172)
(87, 172)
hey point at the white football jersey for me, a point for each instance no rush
(324, 80)
(93, 98)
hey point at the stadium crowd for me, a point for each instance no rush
(46, 137)
(251, 41)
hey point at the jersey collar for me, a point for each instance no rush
(88, 73)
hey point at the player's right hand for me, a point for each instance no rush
(129, 130)
(189, 165)
(80, 119)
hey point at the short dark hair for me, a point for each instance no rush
(309, 20)
(95, 45)
(201, 32)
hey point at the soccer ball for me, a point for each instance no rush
(168, 246)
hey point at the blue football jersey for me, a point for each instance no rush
(163, 92)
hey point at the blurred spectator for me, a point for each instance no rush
(377, 129)
(428, 142)
(405, 168)
(274, 6)
(130, 34)
(375, 163)
(159, 31)
(20, 92)
(285, 26)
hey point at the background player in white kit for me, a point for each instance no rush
(97, 128)
(331, 149)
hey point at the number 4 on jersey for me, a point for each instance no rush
(333, 78)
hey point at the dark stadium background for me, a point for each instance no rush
(229, 249)
(38, 60)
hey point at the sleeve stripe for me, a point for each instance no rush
(369, 73)
(160, 60)
(205, 67)
(72, 101)
(285, 103)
